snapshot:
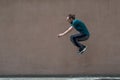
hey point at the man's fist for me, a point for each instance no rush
(60, 35)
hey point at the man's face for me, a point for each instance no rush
(68, 20)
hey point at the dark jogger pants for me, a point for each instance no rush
(76, 38)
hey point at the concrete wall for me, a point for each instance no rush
(29, 43)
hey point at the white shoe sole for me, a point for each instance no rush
(83, 50)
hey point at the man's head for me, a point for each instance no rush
(70, 18)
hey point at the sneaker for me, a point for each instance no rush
(81, 51)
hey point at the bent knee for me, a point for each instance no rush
(72, 37)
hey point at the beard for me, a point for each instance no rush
(71, 22)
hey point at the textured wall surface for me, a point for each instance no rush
(29, 43)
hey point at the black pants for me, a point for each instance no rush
(76, 38)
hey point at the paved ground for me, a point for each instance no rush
(81, 78)
(29, 43)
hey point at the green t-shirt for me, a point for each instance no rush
(80, 26)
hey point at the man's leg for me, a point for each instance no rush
(74, 40)
(78, 37)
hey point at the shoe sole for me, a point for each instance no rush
(83, 50)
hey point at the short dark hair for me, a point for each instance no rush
(71, 16)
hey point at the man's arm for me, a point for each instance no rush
(67, 31)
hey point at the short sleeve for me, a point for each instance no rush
(75, 23)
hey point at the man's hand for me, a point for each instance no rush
(60, 35)
(64, 33)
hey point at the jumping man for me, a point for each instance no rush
(83, 34)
